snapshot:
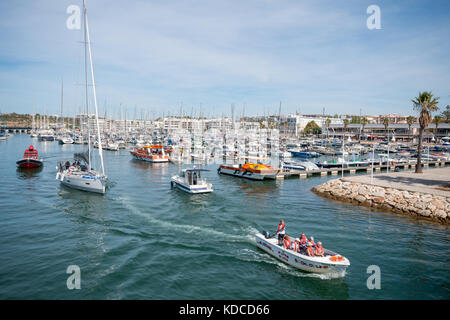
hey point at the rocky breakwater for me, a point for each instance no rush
(419, 204)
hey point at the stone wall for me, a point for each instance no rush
(400, 201)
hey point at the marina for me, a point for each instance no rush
(121, 231)
(231, 151)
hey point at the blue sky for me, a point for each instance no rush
(153, 56)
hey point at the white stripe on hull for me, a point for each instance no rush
(150, 160)
(84, 184)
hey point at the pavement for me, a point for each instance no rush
(435, 181)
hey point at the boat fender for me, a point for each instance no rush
(171, 184)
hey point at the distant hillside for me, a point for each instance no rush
(25, 120)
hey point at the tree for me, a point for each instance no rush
(425, 103)
(436, 121)
(355, 119)
(410, 121)
(312, 127)
(446, 114)
(346, 123)
(386, 125)
(327, 125)
(364, 122)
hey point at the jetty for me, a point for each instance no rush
(424, 194)
(358, 169)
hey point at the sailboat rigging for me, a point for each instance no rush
(80, 174)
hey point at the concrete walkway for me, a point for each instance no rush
(432, 181)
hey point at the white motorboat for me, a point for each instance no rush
(284, 154)
(330, 263)
(191, 181)
(66, 140)
(300, 165)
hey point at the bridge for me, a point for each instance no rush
(16, 129)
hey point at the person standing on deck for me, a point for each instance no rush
(281, 231)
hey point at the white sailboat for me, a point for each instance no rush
(80, 174)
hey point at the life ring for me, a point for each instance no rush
(338, 258)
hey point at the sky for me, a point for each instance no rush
(156, 58)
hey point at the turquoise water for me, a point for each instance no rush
(143, 240)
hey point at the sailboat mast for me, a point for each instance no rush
(86, 84)
(100, 150)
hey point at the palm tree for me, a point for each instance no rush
(327, 125)
(436, 121)
(410, 121)
(364, 122)
(346, 123)
(386, 125)
(425, 103)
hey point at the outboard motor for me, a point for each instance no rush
(266, 234)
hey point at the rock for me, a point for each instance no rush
(441, 214)
(438, 204)
(425, 213)
(378, 199)
(360, 198)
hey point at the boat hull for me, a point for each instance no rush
(82, 182)
(149, 158)
(321, 265)
(29, 163)
(46, 138)
(247, 174)
(190, 189)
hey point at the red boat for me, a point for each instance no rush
(30, 159)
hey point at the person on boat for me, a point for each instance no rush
(295, 245)
(303, 239)
(30, 153)
(319, 249)
(309, 250)
(287, 242)
(311, 240)
(67, 165)
(281, 231)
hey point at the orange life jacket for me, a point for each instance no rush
(281, 228)
(287, 243)
(30, 153)
(295, 246)
(310, 251)
(303, 239)
(319, 251)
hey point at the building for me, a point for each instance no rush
(399, 131)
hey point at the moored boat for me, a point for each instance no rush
(330, 263)
(30, 159)
(191, 181)
(153, 153)
(253, 171)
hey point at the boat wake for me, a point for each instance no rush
(186, 228)
(250, 255)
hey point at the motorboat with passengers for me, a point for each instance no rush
(191, 181)
(30, 159)
(330, 263)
